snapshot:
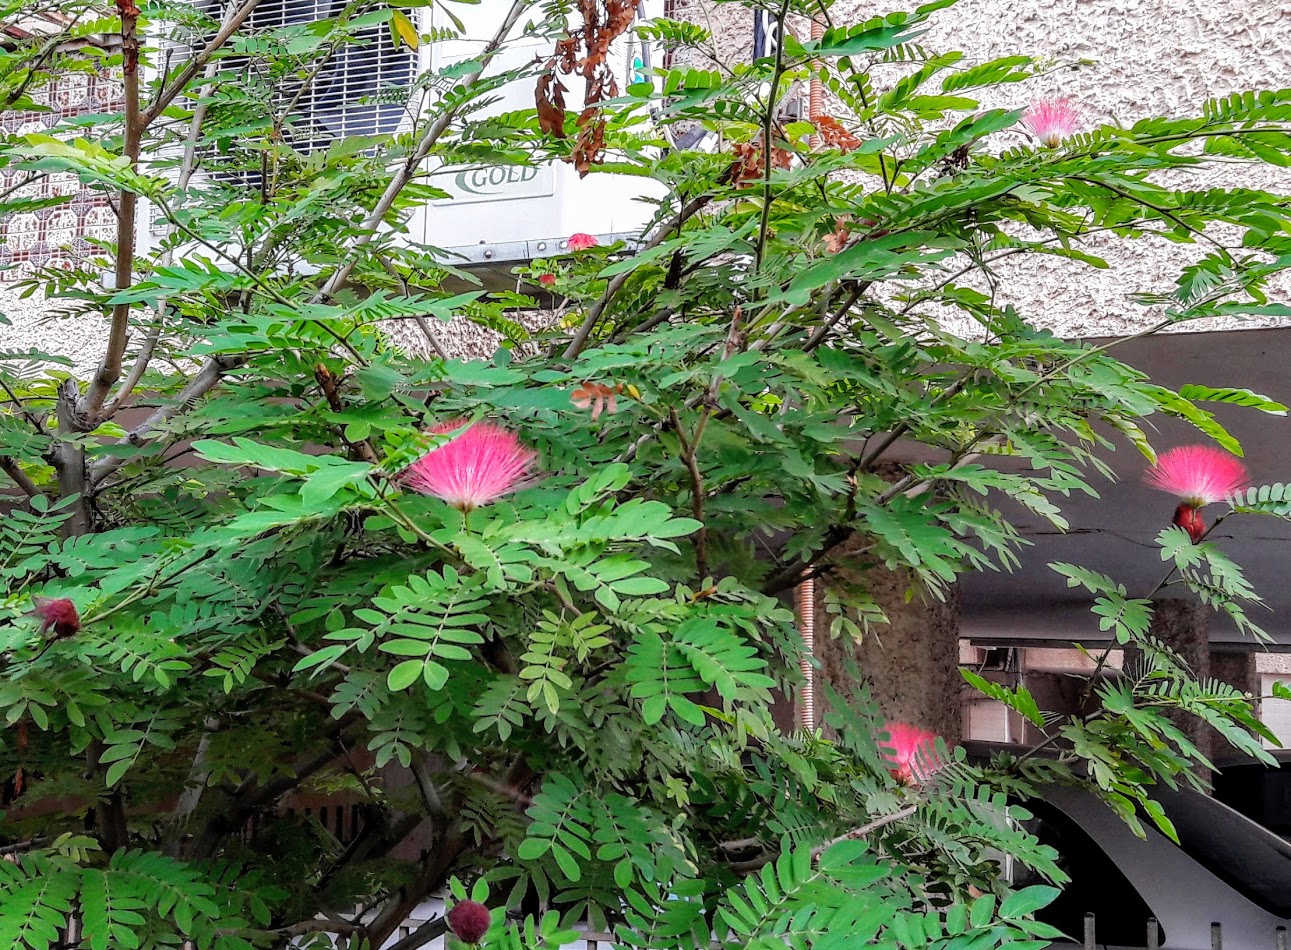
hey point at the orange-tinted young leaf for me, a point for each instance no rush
(747, 167)
(598, 397)
(837, 239)
(833, 132)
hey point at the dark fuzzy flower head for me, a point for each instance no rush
(469, 921)
(59, 615)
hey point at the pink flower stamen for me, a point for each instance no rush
(1052, 120)
(480, 465)
(910, 751)
(1197, 475)
(582, 242)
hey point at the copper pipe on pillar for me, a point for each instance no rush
(806, 595)
(816, 96)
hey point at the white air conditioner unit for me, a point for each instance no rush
(497, 216)
(515, 213)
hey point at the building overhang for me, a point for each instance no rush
(1115, 532)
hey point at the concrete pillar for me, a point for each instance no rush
(1184, 626)
(1237, 669)
(911, 666)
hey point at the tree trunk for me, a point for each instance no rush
(911, 666)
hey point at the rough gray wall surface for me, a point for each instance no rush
(910, 665)
(1152, 57)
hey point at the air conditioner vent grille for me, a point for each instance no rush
(358, 88)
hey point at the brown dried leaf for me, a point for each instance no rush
(834, 133)
(585, 51)
(549, 95)
(837, 240)
(747, 167)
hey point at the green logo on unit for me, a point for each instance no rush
(494, 180)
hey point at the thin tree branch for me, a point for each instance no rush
(426, 787)
(507, 791)
(171, 91)
(862, 831)
(20, 846)
(424, 326)
(432, 876)
(140, 366)
(867, 459)
(247, 798)
(821, 332)
(202, 382)
(33, 421)
(69, 459)
(187, 165)
(689, 449)
(198, 773)
(768, 124)
(20, 478)
(412, 164)
(317, 926)
(336, 665)
(437, 867)
(663, 316)
(688, 211)
(330, 385)
(213, 370)
(422, 936)
(109, 370)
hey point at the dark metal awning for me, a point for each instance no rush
(1115, 533)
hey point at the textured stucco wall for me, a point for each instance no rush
(1153, 57)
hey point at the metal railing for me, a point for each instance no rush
(1152, 935)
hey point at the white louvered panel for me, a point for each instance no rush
(358, 91)
(987, 721)
(1276, 713)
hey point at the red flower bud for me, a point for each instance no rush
(469, 921)
(546, 279)
(60, 615)
(1189, 518)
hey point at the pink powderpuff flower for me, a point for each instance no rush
(59, 615)
(581, 241)
(911, 751)
(1198, 475)
(469, 921)
(480, 465)
(1052, 120)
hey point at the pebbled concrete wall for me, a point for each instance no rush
(1153, 57)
